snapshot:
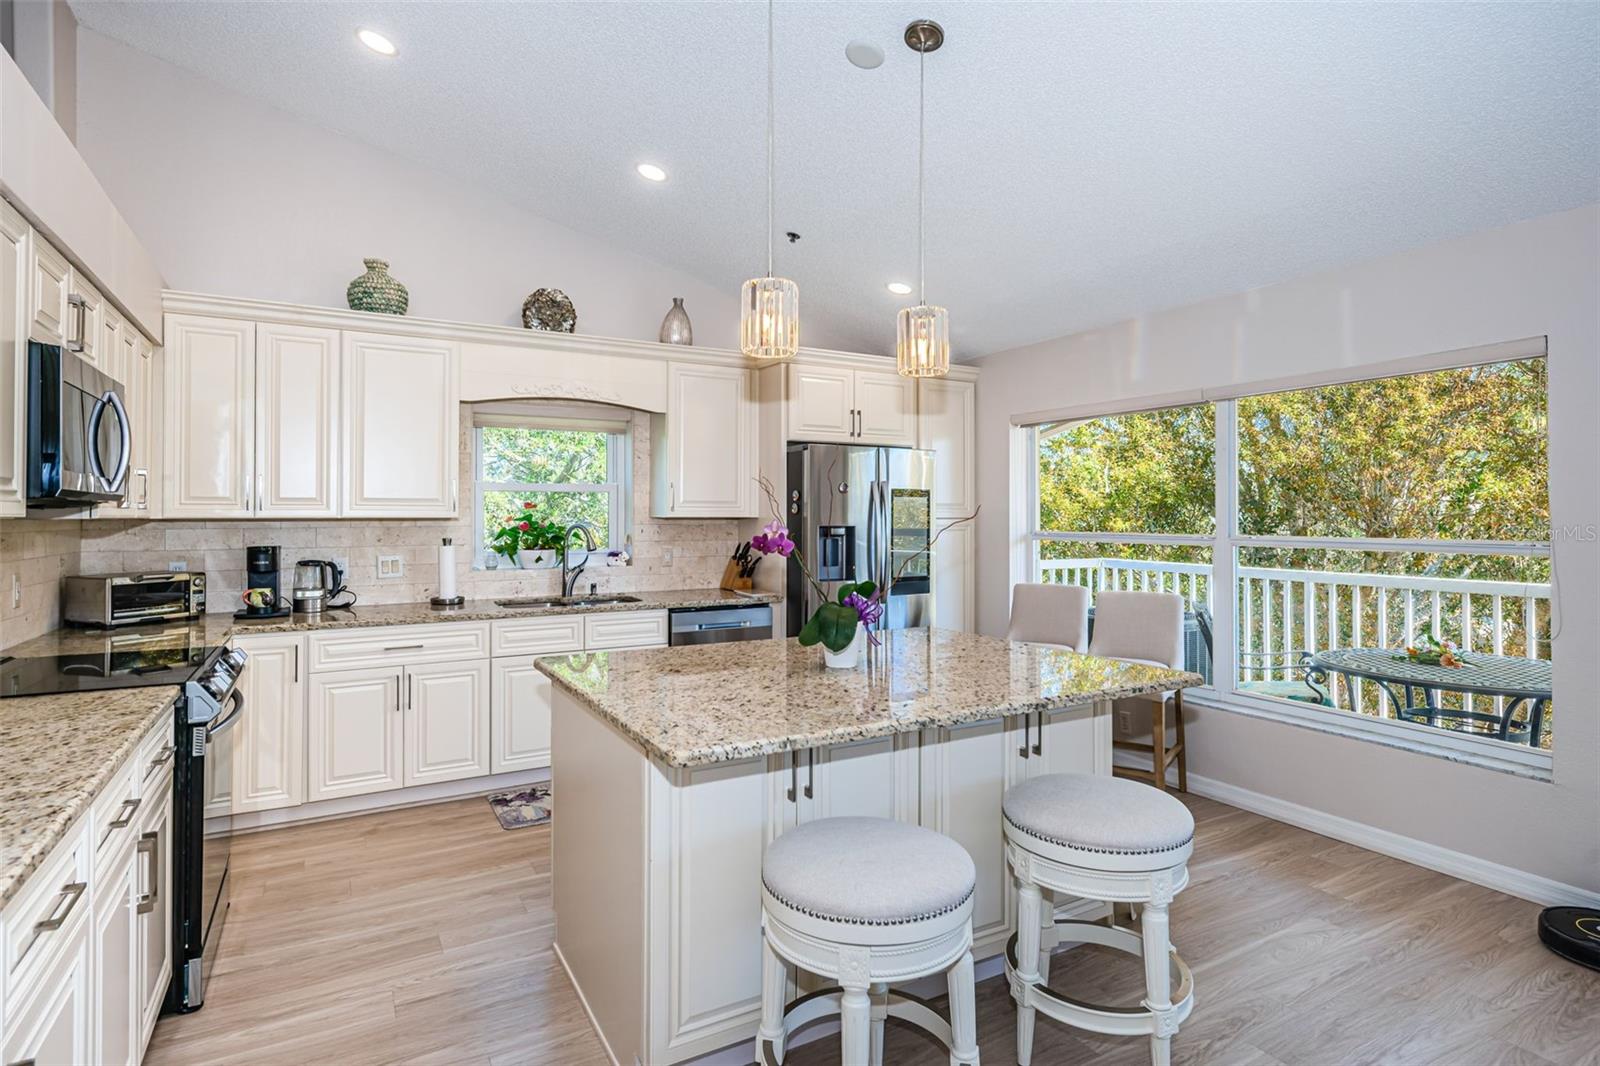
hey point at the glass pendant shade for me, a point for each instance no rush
(769, 319)
(922, 342)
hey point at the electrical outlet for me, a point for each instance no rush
(391, 567)
(1124, 721)
(16, 591)
(177, 566)
(666, 556)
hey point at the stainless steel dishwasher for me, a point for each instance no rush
(714, 625)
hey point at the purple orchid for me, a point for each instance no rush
(868, 610)
(773, 540)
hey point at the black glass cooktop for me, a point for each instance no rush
(43, 675)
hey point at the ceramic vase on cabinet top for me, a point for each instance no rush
(377, 291)
(676, 328)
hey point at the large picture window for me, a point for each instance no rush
(571, 470)
(1386, 542)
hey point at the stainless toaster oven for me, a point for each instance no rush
(129, 599)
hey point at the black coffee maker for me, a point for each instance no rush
(261, 596)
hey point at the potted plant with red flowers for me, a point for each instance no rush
(529, 540)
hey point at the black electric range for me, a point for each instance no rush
(126, 665)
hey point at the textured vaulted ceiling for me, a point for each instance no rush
(1087, 162)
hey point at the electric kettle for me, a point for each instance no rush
(316, 583)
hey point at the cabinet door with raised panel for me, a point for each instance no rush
(1073, 740)
(153, 904)
(16, 268)
(520, 704)
(269, 744)
(356, 733)
(86, 326)
(55, 1025)
(209, 417)
(711, 442)
(870, 778)
(821, 404)
(946, 417)
(144, 408)
(953, 567)
(447, 721)
(219, 783)
(49, 285)
(887, 408)
(116, 962)
(400, 427)
(297, 421)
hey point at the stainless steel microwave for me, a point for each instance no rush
(128, 599)
(79, 439)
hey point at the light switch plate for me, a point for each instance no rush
(391, 567)
(178, 566)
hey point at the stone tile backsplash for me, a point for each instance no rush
(671, 554)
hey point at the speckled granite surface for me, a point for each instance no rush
(696, 705)
(58, 751)
(215, 629)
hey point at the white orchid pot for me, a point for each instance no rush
(850, 657)
(538, 558)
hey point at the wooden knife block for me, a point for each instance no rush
(732, 582)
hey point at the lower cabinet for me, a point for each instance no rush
(153, 907)
(446, 721)
(116, 961)
(356, 733)
(56, 1024)
(269, 744)
(520, 731)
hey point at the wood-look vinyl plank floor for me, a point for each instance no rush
(422, 936)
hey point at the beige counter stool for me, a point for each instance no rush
(1050, 614)
(1106, 839)
(866, 902)
(1147, 627)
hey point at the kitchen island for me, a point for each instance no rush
(673, 768)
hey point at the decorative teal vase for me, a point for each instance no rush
(377, 291)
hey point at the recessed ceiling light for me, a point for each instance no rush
(377, 42)
(864, 54)
(899, 288)
(651, 172)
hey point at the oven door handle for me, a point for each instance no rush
(228, 722)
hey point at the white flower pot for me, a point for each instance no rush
(538, 559)
(847, 659)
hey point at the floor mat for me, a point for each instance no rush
(522, 807)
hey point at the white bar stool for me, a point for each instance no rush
(1106, 839)
(866, 902)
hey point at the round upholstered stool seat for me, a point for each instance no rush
(1107, 822)
(1100, 838)
(866, 902)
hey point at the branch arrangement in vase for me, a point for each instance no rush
(855, 604)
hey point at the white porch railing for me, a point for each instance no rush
(1282, 613)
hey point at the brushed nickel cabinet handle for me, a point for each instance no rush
(405, 647)
(148, 847)
(126, 819)
(794, 775)
(1027, 724)
(1038, 736)
(71, 893)
(811, 771)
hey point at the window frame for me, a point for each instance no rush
(617, 487)
(1227, 542)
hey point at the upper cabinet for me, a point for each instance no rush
(401, 426)
(16, 269)
(704, 448)
(297, 421)
(947, 416)
(49, 286)
(851, 406)
(210, 417)
(86, 322)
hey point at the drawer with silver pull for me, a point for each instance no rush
(116, 808)
(39, 920)
(351, 649)
(155, 752)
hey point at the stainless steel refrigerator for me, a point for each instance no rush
(861, 513)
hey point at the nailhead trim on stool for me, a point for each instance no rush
(827, 895)
(1059, 831)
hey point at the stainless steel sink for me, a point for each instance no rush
(565, 601)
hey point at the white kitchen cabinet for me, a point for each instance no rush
(219, 783)
(86, 326)
(1074, 740)
(400, 427)
(946, 422)
(209, 417)
(704, 447)
(954, 568)
(16, 268)
(355, 733)
(851, 406)
(55, 1025)
(297, 421)
(520, 731)
(153, 903)
(49, 286)
(870, 778)
(269, 743)
(115, 943)
(446, 721)
(144, 408)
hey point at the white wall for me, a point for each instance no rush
(1536, 277)
(235, 197)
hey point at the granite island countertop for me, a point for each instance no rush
(58, 752)
(701, 704)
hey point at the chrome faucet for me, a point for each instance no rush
(569, 573)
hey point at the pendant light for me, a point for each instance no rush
(922, 334)
(769, 307)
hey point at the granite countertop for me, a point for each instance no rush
(215, 629)
(58, 752)
(710, 703)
